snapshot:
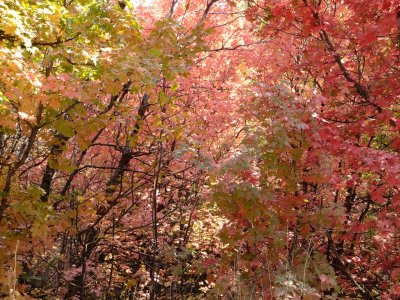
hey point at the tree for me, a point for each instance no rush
(88, 131)
(319, 159)
(199, 149)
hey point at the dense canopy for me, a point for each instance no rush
(200, 149)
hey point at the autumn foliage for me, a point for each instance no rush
(199, 149)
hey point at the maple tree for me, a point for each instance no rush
(199, 149)
(320, 158)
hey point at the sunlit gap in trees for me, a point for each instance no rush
(144, 3)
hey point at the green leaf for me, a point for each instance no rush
(64, 127)
(164, 99)
(155, 51)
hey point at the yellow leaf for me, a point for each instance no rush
(131, 283)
